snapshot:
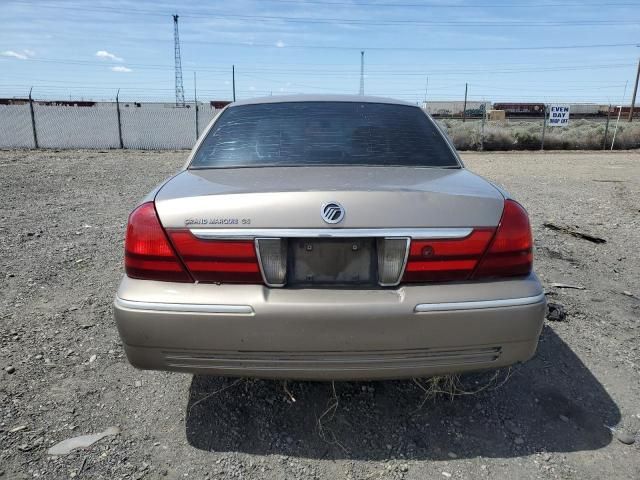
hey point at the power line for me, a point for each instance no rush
(350, 21)
(373, 73)
(458, 5)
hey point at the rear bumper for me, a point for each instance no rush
(251, 330)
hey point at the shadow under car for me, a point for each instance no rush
(551, 403)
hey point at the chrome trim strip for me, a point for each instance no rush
(250, 233)
(480, 304)
(185, 307)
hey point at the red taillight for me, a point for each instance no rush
(511, 251)
(447, 259)
(147, 253)
(487, 252)
(224, 261)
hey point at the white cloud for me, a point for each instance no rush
(24, 55)
(280, 44)
(121, 69)
(108, 55)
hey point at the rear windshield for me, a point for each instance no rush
(323, 133)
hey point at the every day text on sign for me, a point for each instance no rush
(558, 115)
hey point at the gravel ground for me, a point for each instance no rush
(61, 235)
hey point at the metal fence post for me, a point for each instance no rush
(195, 101)
(119, 120)
(33, 120)
(197, 127)
(484, 114)
(464, 108)
(544, 127)
(606, 129)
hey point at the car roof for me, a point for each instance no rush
(320, 98)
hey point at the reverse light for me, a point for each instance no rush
(272, 254)
(392, 255)
(148, 254)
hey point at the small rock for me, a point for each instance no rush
(518, 441)
(452, 455)
(623, 436)
(92, 358)
(10, 369)
(556, 312)
(138, 383)
(404, 467)
(66, 446)
(564, 418)
(446, 474)
(17, 429)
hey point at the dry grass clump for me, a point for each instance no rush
(527, 135)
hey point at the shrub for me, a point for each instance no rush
(582, 134)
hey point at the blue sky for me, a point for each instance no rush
(84, 49)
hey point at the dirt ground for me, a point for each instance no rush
(62, 221)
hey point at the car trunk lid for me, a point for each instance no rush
(372, 197)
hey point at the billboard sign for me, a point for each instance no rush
(558, 116)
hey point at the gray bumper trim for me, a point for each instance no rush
(474, 305)
(184, 307)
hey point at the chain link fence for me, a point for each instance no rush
(163, 126)
(585, 131)
(146, 126)
(595, 133)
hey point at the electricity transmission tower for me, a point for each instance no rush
(362, 72)
(178, 64)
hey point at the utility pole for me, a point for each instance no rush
(233, 81)
(362, 72)
(178, 64)
(635, 91)
(426, 89)
(464, 110)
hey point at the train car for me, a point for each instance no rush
(453, 108)
(584, 109)
(13, 101)
(66, 103)
(218, 104)
(521, 109)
